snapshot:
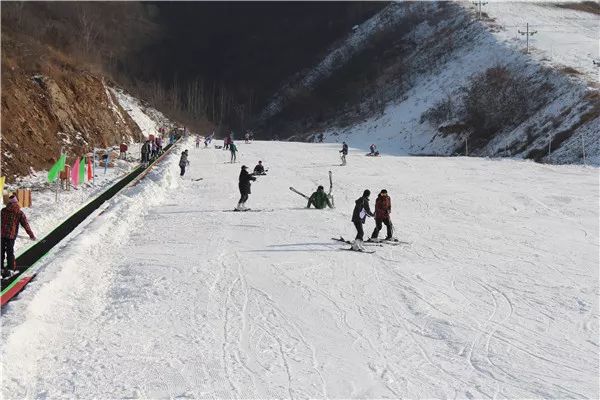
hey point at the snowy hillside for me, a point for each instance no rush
(166, 294)
(430, 98)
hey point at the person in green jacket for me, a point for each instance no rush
(319, 199)
(233, 149)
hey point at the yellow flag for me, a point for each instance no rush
(1, 185)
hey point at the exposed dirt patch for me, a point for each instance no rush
(49, 104)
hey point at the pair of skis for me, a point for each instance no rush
(328, 194)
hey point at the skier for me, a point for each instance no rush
(344, 152)
(374, 151)
(383, 208)
(320, 138)
(244, 186)
(359, 215)
(198, 141)
(146, 153)
(259, 169)
(12, 216)
(233, 149)
(183, 161)
(319, 199)
(247, 137)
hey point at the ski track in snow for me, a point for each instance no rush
(162, 295)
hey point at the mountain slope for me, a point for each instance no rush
(437, 76)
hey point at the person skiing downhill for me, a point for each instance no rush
(383, 208)
(183, 161)
(244, 186)
(12, 217)
(344, 152)
(359, 215)
(319, 199)
(233, 149)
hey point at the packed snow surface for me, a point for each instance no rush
(165, 294)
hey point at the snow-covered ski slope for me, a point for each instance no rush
(164, 295)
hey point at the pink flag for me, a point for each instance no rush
(75, 173)
(90, 170)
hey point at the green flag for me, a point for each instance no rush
(56, 168)
(82, 170)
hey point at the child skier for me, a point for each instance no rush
(359, 215)
(183, 161)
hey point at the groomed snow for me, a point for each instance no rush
(164, 295)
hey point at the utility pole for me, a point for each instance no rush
(478, 5)
(527, 33)
(583, 148)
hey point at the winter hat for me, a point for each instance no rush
(260, 162)
(244, 167)
(320, 187)
(383, 191)
(13, 199)
(366, 193)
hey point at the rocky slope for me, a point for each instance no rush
(49, 104)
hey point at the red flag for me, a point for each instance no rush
(75, 173)
(90, 174)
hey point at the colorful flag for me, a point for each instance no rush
(56, 168)
(75, 173)
(82, 170)
(90, 169)
(1, 185)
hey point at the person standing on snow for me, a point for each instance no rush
(319, 199)
(12, 217)
(233, 149)
(383, 208)
(244, 186)
(344, 152)
(146, 152)
(183, 162)
(359, 215)
(198, 141)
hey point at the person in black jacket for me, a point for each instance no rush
(344, 152)
(244, 185)
(361, 210)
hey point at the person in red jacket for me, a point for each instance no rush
(12, 216)
(383, 208)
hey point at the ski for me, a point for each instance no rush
(358, 251)
(330, 189)
(300, 193)
(393, 242)
(248, 210)
(367, 243)
(196, 180)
